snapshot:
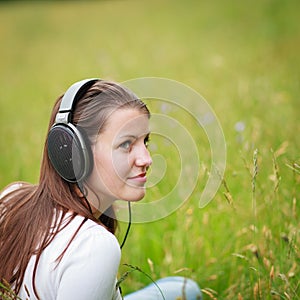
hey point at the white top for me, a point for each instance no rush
(87, 271)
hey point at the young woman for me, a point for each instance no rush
(57, 237)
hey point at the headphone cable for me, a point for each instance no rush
(129, 225)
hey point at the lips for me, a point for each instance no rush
(140, 177)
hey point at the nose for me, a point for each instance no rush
(143, 157)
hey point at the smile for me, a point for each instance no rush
(139, 178)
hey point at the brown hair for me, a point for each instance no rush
(28, 213)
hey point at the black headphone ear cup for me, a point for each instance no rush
(69, 152)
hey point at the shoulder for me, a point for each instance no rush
(91, 261)
(82, 248)
(89, 230)
(88, 267)
(90, 238)
(97, 235)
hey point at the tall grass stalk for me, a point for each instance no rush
(136, 268)
(253, 182)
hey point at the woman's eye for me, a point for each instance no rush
(126, 145)
(146, 141)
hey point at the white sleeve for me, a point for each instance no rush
(89, 268)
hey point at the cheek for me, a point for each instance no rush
(102, 164)
(111, 165)
(120, 164)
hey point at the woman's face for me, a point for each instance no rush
(121, 159)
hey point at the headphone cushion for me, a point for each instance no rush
(68, 152)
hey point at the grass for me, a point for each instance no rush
(243, 57)
(6, 292)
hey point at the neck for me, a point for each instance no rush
(98, 205)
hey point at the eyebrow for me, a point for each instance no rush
(128, 136)
(134, 136)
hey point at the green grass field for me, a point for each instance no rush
(243, 57)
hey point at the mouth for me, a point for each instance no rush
(142, 177)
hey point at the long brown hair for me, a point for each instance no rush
(28, 213)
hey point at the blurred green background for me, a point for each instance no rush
(243, 57)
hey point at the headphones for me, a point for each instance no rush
(68, 149)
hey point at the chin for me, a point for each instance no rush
(136, 196)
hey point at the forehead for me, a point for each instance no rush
(127, 119)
